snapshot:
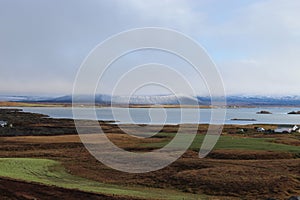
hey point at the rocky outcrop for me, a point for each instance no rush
(263, 112)
(294, 113)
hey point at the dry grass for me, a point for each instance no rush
(226, 174)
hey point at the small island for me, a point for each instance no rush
(263, 112)
(237, 119)
(294, 113)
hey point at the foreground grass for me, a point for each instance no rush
(235, 143)
(50, 172)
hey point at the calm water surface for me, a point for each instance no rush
(173, 115)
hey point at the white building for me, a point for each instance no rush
(286, 129)
(3, 124)
(259, 129)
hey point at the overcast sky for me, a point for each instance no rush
(255, 44)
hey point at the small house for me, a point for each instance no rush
(286, 129)
(295, 128)
(260, 129)
(3, 124)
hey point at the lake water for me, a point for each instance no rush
(173, 115)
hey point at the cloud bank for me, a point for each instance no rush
(255, 44)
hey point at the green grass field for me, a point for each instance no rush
(50, 172)
(234, 142)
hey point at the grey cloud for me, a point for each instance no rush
(43, 42)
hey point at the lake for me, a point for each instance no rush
(173, 115)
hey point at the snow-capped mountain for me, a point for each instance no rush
(163, 99)
(16, 98)
(140, 100)
(149, 100)
(264, 100)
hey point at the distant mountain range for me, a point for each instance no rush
(15, 98)
(258, 100)
(162, 99)
(137, 100)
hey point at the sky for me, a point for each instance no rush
(254, 44)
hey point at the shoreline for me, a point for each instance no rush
(83, 105)
(227, 122)
(29, 123)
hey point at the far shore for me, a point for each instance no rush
(53, 104)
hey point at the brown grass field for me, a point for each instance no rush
(227, 173)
